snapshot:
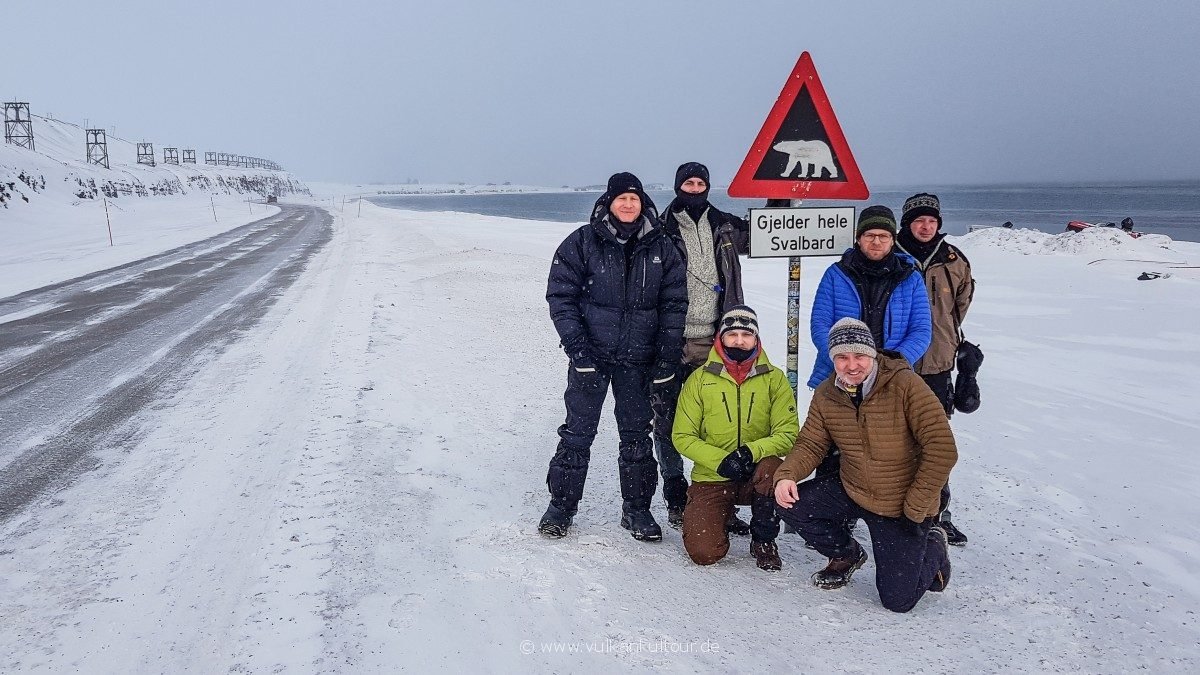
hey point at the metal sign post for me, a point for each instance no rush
(800, 153)
(793, 324)
(796, 232)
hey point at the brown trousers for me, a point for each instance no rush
(695, 351)
(709, 506)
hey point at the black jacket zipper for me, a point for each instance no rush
(739, 407)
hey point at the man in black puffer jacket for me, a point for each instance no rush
(618, 299)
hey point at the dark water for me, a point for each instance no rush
(1172, 209)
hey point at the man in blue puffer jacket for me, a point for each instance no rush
(618, 298)
(876, 285)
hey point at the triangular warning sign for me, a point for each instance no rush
(800, 152)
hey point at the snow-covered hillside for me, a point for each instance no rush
(57, 170)
(58, 209)
(354, 486)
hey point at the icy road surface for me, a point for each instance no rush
(79, 359)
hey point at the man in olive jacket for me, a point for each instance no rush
(736, 418)
(709, 241)
(948, 280)
(896, 454)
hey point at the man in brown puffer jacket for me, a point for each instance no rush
(896, 454)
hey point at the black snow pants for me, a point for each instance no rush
(907, 558)
(635, 459)
(943, 387)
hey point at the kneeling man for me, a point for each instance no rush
(896, 454)
(736, 418)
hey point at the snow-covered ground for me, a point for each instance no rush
(354, 487)
(56, 209)
(62, 240)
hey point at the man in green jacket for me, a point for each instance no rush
(736, 419)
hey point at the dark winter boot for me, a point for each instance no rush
(567, 475)
(555, 522)
(954, 536)
(766, 555)
(735, 525)
(675, 516)
(839, 570)
(675, 495)
(640, 523)
(942, 579)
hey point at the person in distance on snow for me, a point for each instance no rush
(736, 418)
(617, 298)
(948, 280)
(709, 240)
(896, 454)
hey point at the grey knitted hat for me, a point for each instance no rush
(851, 336)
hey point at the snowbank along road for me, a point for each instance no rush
(78, 359)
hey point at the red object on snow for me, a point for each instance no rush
(1080, 226)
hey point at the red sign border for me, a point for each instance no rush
(744, 184)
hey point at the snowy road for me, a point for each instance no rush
(79, 359)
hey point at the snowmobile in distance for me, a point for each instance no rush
(1126, 227)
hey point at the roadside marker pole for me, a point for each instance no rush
(359, 207)
(214, 208)
(108, 220)
(793, 325)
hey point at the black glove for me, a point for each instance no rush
(912, 528)
(582, 358)
(662, 385)
(662, 375)
(584, 367)
(738, 465)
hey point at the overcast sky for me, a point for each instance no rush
(556, 92)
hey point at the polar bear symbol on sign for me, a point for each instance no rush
(805, 153)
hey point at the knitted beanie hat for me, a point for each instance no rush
(921, 204)
(851, 336)
(691, 170)
(875, 218)
(619, 184)
(740, 317)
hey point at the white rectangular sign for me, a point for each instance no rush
(801, 231)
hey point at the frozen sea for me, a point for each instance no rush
(1170, 208)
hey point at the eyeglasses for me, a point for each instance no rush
(882, 236)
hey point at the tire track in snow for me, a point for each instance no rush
(64, 399)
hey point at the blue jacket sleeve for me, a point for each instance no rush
(823, 316)
(919, 329)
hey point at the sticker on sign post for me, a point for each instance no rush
(801, 231)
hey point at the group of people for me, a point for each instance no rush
(652, 306)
